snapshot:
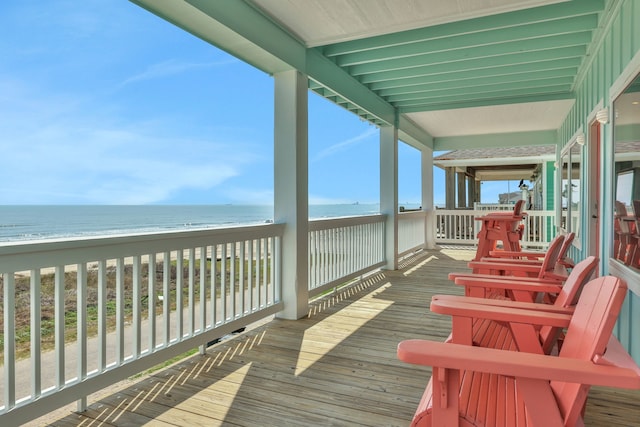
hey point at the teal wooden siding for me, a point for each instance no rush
(619, 44)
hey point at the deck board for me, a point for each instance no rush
(337, 367)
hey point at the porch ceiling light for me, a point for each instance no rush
(602, 116)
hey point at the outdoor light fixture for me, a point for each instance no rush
(580, 139)
(602, 116)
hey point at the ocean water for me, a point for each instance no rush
(23, 223)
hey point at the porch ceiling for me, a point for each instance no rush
(445, 68)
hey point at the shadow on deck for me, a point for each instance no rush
(336, 367)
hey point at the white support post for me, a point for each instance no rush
(427, 197)
(389, 192)
(291, 189)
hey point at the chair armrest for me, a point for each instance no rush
(520, 265)
(504, 314)
(516, 364)
(520, 254)
(545, 308)
(501, 216)
(512, 260)
(453, 276)
(510, 284)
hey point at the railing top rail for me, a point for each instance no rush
(19, 256)
(347, 221)
(410, 214)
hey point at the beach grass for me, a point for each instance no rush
(47, 297)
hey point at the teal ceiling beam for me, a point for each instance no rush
(550, 77)
(571, 52)
(557, 11)
(542, 45)
(257, 40)
(483, 102)
(248, 22)
(479, 94)
(562, 66)
(414, 135)
(201, 25)
(544, 137)
(329, 74)
(476, 40)
(486, 91)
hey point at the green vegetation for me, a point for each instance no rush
(22, 299)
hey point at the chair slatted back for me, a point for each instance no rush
(551, 257)
(568, 296)
(587, 337)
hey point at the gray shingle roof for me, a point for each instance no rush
(500, 152)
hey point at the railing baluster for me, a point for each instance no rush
(179, 294)
(192, 291)
(166, 297)
(232, 280)
(258, 267)
(276, 260)
(214, 285)
(9, 341)
(250, 266)
(120, 311)
(136, 308)
(203, 288)
(81, 316)
(102, 315)
(265, 270)
(36, 333)
(152, 297)
(59, 325)
(241, 278)
(223, 283)
(203, 295)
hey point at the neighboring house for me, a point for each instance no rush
(533, 166)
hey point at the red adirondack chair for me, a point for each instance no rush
(509, 256)
(624, 227)
(549, 267)
(549, 271)
(479, 328)
(476, 386)
(502, 227)
(528, 290)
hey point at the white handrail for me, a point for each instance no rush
(411, 231)
(460, 227)
(120, 305)
(343, 248)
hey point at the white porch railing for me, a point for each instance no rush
(341, 249)
(493, 206)
(411, 231)
(82, 314)
(460, 227)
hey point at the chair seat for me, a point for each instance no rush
(503, 410)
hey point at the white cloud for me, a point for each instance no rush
(77, 155)
(344, 145)
(170, 68)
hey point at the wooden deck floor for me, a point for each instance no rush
(336, 368)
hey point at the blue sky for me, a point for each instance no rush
(105, 103)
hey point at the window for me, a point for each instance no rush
(626, 133)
